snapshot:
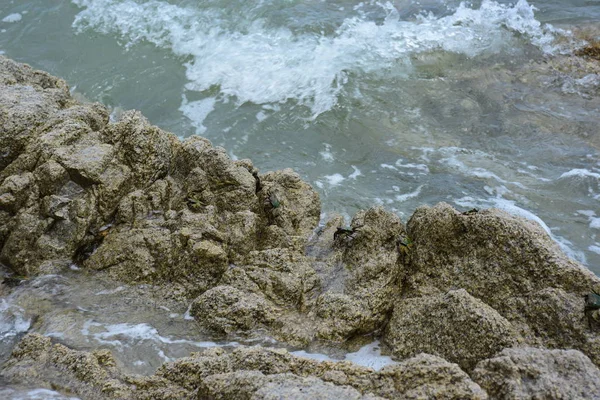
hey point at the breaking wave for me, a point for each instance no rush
(253, 61)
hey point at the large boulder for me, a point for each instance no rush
(508, 263)
(531, 373)
(454, 325)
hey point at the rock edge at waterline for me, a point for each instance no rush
(451, 294)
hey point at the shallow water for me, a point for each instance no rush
(397, 103)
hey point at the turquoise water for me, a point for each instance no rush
(396, 103)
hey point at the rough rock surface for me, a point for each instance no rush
(244, 373)
(455, 326)
(506, 263)
(530, 373)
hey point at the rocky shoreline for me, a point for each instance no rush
(474, 304)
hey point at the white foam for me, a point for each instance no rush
(187, 315)
(326, 154)
(594, 248)
(111, 291)
(197, 111)
(264, 64)
(421, 167)
(33, 394)
(10, 18)
(580, 173)
(370, 356)
(367, 356)
(354, 174)
(12, 320)
(120, 335)
(411, 195)
(261, 116)
(334, 179)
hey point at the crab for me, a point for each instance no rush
(272, 204)
(592, 303)
(471, 211)
(195, 202)
(404, 243)
(345, 234)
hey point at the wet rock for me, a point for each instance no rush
(527, 373)
(29, 97)
(290, 203)
(508, 263)
(93, 375)
(491, 254)
(131, 199)
(369, 276)
(244, 373)
(454, 325)
(427, 376)
(226, 309)
(256, 385)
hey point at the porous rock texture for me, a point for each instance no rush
(526, 373)
(244, 373)
(127, 200)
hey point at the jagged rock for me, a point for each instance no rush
(426, 376)
(493, 255)
(226, 309)
(531, 373)
(454, 325)
(244, 373)
(255, 385)
(128, 197)
(369, 278)
(510, 264)
(93, 375)
(29, 97)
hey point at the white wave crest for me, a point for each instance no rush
(262, 64)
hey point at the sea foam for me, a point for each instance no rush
(260, 63)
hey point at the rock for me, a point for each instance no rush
(131, 199)
(226, 375)
(243, 373)
(255, 385)
(454, 325)
(368, 280)
(493, 255)
(226, 309)
(527, 373)
(298, 207)
(29, 97)
(510, 264)
(426, 376)
(93, 375)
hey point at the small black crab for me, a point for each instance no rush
(345, 234)
(272, 204)
(471, 211)
(592, 303)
